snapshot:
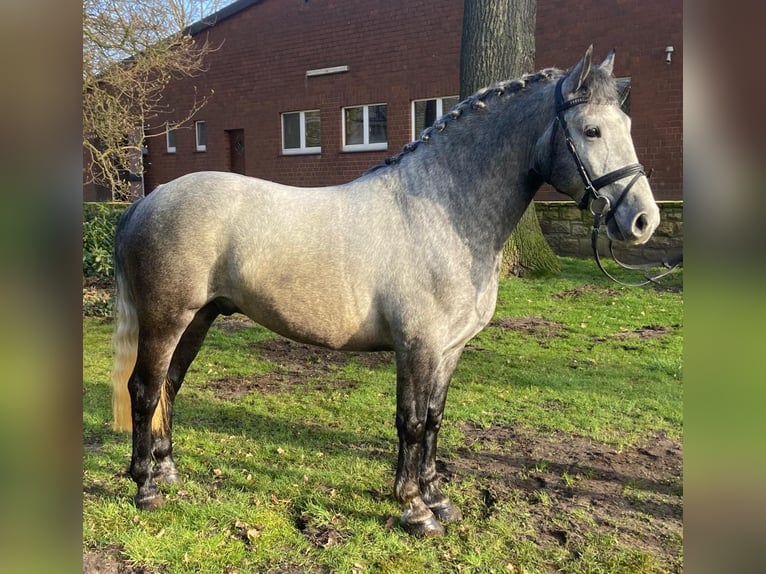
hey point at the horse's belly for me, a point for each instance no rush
(327, 317)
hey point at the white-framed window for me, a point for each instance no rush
(364, 128)
(170, 139)
(201, 135)
(623, 91)
(301, 132)
(426, 112)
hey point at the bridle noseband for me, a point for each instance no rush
(599, 204)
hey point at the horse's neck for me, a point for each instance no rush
(480, 170)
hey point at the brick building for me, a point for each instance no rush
(314, 92)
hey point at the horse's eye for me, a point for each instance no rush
(593, 132)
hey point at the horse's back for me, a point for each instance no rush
(206, 211)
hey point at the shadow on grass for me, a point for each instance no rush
(228, 420)
(537, 461)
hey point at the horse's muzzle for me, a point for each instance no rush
(633, 228)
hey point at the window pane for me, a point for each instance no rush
(171, 135)
(291, 130)
(312, 129)
(425, 115)
(623, 89)
(377, 117)
(354, 125)
(449, 103)
(201, 140)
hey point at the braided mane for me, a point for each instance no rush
(601, 88)
(472, 104)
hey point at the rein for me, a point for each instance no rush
(598, 203)
(669, 264)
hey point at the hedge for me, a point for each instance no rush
(99, 222)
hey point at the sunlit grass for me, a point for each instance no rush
(299, 478)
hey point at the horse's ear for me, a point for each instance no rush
(579, 73)
(608, 64)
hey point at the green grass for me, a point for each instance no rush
(299, 479)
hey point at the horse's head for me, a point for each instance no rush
(588, 154)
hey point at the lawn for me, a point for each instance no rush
(562, 445)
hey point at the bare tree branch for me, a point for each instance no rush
(131, 51)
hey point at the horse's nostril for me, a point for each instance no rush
(641, 223)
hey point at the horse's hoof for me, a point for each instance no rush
(168, 478)
(166, 472)
(152, 502)
(447, 513)
(428, 529)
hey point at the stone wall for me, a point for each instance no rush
(568, 232)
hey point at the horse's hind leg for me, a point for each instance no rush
(165, 469)
(155, 348)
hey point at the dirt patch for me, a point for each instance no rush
(537, 327)
(635, 494)
(322, 535)
(233, 323)
(647, 332)
(585, 289)
(234, 388)
(642, 333)
(297, 365)
(298, 357)
(109, 561)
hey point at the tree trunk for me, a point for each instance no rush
(499, 43)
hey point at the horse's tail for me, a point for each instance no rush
(125, 345)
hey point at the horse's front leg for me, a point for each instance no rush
(435, 499)
(413, 390)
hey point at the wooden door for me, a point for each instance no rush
(236, 151)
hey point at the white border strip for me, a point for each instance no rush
(326, 71)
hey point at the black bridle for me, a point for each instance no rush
(599, 204)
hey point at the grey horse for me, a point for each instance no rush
(404, 258)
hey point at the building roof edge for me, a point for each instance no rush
(217, 17)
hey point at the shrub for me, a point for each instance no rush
(97, 302)
(98, 227)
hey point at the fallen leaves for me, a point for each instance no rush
(246, 532)
(319, 533)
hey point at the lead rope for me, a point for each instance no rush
(670, 265)
(598, 214)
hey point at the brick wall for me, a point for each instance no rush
(260, 72)
(567, 230)
(397, 51)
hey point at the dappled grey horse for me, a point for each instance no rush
(404, 258)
